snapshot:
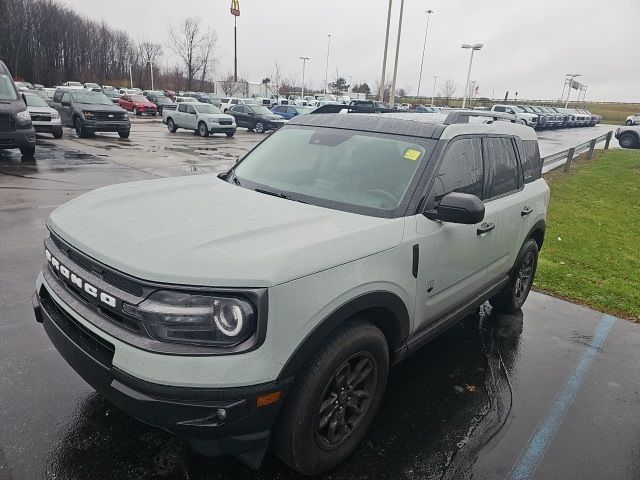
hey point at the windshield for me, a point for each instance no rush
(207, 108)
(89, 97)
(260, 110)
(343, 169)
(34, 101)
(517, 109)
(7, 90)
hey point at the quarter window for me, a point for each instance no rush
(501, 167)
(531, 164)
(461, 169)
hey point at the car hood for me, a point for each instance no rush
(48, 110)
(217, 116)
(99, 108)
(203, 231)
(143, 104)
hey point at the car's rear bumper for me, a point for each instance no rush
(19, 138)
(215, 421)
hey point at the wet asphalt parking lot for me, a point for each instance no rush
(551, 393)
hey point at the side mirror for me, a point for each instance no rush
(458, 208)
(24, 99)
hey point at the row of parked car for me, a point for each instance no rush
(541, 117)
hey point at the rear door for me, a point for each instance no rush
(504, 202)
(453, 258)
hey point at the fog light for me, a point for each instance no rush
(222, 414)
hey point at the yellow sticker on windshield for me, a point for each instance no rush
(411, 154)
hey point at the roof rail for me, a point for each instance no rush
(337, 108)
(462, 116)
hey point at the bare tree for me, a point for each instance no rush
(228, 84)
(448, 89)
(276, 80)
(207, 56)
(194, 47)
(387, 90)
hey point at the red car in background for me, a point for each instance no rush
(137, 104)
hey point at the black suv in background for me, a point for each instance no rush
(256, 117)
(160, 100)
(89, 112)
(16, 129)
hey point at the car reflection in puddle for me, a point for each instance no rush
(446, 402)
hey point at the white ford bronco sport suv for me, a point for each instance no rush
(202, 118)
(265, 307)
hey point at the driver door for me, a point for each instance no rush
(65, 109)
(453, 258)
(191, 117)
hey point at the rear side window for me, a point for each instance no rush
(461, 169)
(531, 162)
(499, 109)
(501, 167)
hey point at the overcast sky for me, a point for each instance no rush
(528, 45)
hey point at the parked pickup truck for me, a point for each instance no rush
(529, 119)
(203, 118)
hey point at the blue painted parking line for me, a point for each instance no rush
(540, 440)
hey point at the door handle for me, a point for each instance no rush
(526, 211)
(485, 228)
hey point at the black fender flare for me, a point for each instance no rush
(392, 318)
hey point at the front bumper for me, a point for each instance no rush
(19, 138)
(215, 421)
(96, 126)
(47, 127)
(217, 128)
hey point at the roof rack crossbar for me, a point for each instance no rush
(462, 116)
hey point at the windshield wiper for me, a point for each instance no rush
(279, 195)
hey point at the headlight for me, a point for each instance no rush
(23, 116)
(87, 114)
(55, 115)
(213, 120)
(199, 319)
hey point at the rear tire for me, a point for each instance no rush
(511, 298)
(628, 140)
(136, 112)
(628, 122)
(203, 131)
(28, 152)
(334, 400)
(259, 127)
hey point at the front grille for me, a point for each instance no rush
(226, 122)
(7, 123)
(89, 265)
(40, 118)
(92, 344)
(109, 116)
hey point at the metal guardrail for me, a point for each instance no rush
(565, 157)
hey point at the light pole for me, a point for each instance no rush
(384, 59)
(433, 94)
(473, 48)
(326, 70)
(304, 61)
(130, 76)
(572, 76)
(392, 98)
(151, 66)
(424, 46)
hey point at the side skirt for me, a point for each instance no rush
(425, 335)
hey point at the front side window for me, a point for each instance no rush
(501, 167)
(191, 110)
(182, 108)
(347, 170)
(461, 169)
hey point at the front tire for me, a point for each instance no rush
(628, 140)
(28, 152)
(124, 134)
(259, 127)
(80, 131)
(230, 134)
(136, 112)
(57, 133)
(171, 126)
(334, 400)
(203, 131)
(511, 298)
